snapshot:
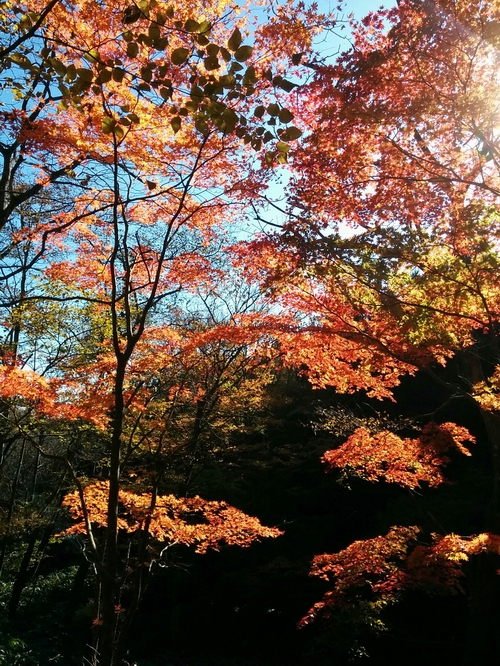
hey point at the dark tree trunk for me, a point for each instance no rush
(77, 589)
(22, 577)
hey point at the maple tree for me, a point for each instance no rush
(387, 262)
(132, 137)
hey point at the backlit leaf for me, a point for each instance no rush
(179, 56)
(235, 40)
(243, 53)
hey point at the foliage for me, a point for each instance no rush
(406, 462)
(132, 136)
(170, 520)
(387, 261)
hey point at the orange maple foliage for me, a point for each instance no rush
(190, 521)
(369, 575)
(407, 462)
(374, 565)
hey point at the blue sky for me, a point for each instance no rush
(330, 45)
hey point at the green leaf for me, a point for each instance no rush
(196, 93)
(127, 36)
(145, 39)
(273, 109)
(160, 44)
(282, 83)
(282, 147)
(119, 132)
(21, 60)
(146, 74)
(243, 53)
(285, 116)
(235, 40)
(131, 15)
(85, 74)
(25, 23)
(104, 76)
(204, 27)
(212, 50)
(134, 118)
(282, 158)
(179, 56)
(225, 54)
(92, 56)
(132, 49)
(70, 73)
(201, 126)
(211, 63)
(230, 120)
(250, 77)
(176, 124)
(118, 73)
(191, 26)
(154, 31)
(58, 66)
(269, 157)
(107, 124)
(227, 80)
(291, 133)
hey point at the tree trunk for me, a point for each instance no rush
(77, 589)
(22, 577)
(12, 502)
(105, 650)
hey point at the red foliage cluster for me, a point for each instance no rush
(407, 462)
(191, 521)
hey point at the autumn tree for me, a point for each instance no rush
(132, 136)
(387, 263)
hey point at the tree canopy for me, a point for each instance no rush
(141, 337)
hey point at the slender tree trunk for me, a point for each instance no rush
(22, 577)
(109, 576)
(12, 502)
(77, 589)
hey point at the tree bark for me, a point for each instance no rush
(108, 577)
